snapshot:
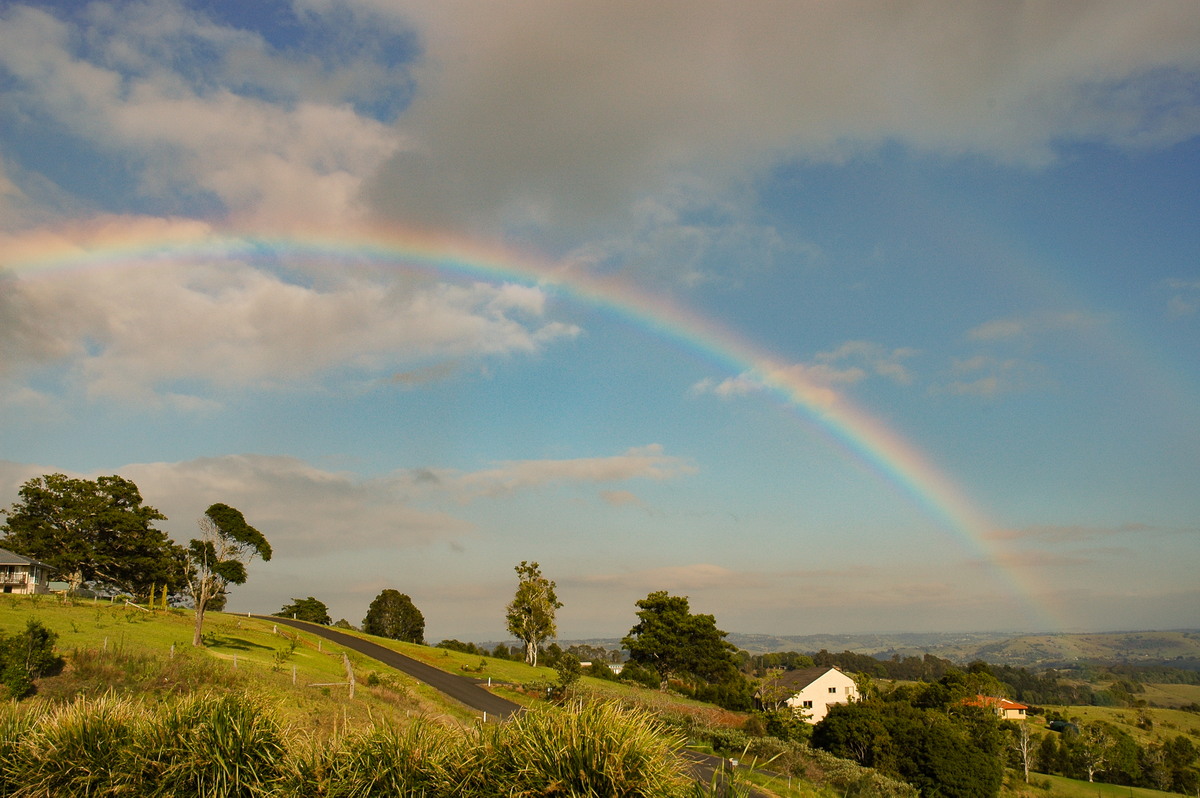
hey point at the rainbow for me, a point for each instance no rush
(856, 432)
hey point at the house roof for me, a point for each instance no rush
(802, 677)
(993, 702)
(11, 558)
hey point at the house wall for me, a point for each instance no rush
(24, 579)
(833, 687)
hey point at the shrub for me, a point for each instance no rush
(639, 674)
(27, 656)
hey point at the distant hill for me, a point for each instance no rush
(1178, 649)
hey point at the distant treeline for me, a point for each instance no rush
(1079, 686)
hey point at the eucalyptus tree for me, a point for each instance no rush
(218, 558)
(530, 614)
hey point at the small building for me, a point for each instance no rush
(1005, 709)
(19, 574)
(812, 690)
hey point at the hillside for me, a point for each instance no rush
(1179, 649)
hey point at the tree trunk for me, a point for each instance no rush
(198, 634)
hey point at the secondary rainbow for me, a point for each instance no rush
(886, 453)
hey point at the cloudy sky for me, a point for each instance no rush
(834, 317)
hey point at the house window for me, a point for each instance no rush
(833, 689)
(807, 705)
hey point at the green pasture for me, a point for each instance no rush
(1061, 787)
(112, 646)
(1165, 724)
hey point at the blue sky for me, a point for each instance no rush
(973, 224)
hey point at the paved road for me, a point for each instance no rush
(460, 688)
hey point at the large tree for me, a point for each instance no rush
(219, 556)
(936, 752)
(308, 609)
(93, 532)
(392, 614)
(669, 639)
(531, 612)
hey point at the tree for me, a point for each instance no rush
(1022, 743)
(531, 613)
(392, 614)
(93, 531)
(674, 642)
(309, 609)
(218, 558)
(931, 750)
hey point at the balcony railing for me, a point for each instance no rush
(13, 579)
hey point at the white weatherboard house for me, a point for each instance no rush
(814, 690)
(22, 575)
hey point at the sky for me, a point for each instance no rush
(833, 317)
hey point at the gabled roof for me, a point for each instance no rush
(993, 702)
(10, 558)
(802, 677)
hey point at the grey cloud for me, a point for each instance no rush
(561, 114)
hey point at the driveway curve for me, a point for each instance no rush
(460, 688)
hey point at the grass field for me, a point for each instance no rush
(1165, 724)
(1059, 787)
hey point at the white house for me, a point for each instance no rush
(22, 575)
(812, 690)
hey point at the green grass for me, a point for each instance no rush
(1061, 787)
(114, 648)
(1171, 695)
(1166, 724)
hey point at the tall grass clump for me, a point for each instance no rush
(78, 749)
(387, 761)
(15, 724)
(212, 746)
(595, 750)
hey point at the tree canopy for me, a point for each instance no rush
(674, 642)
(392, 614)
(307, 609)
(94, 532)
(219, 556)
(530, 615)
(925, 747)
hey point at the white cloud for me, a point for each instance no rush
(139, 330)
(303, 510)
(1186, 299)
(998, 330)
(674, 578)
(987, 376)
(123, 82)
(645, 462)
(850, 363)
(1038, 325)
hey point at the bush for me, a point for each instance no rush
(27, 656)
(639, 674)
(601, 670)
